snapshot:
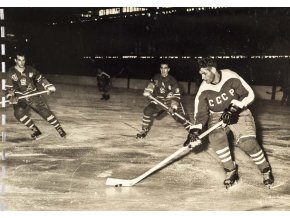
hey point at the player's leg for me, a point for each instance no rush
(219, 142)
(38, 105)
(106, 89)
(147, 120)
(22, 115)
(245, 134)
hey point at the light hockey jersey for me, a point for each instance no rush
(25, 83)
(217, 97)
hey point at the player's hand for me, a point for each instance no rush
(172, 110)
(13, 100)
(50, 89)
(147, 92)
(231, 114)
(193, 139)
(169, 95)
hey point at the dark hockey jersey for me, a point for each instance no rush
(26, 82)
(217, 97)
(103, 79)
(166, 88)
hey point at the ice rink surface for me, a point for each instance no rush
(70, 174)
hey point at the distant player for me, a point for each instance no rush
(164, 88)
(104, 83)
(22, 80)
(224, 95)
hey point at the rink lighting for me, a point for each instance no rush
(146, 57)
(114, 13)
(129, 57)
(189, 57)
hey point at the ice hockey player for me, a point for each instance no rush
(23, 80)
(224, 95)
(164, 88)
(104, 83)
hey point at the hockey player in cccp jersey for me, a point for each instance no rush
(224, 95)
(22, 80)
(164, 88)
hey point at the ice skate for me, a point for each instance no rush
(142, 134)
(107, 97)
(268, 178)
(36, 135)
(232, 177)
(61, 132)
(103, 97)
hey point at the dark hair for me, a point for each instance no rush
(206, 62)
(164, 62)
(19, 53)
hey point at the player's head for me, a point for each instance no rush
(164, 69)
(206, 62)
(19, 58)
(99, 70)
(207, 69)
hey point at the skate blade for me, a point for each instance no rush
(230, 186)
(39, 138)
(270, 186)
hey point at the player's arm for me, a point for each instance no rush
(44, 82)
(245, 92)
(246, 97)
(200, 119)
(174, 95)
(149, 89)
(10, 90)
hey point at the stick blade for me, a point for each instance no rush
(119, 182)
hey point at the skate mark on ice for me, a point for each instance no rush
(280, 184)
(71, 178)
(133, 127)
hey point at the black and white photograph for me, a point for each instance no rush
(145, 108)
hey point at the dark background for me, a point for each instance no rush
(56, 40)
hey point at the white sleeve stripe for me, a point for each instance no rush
(107, 74)
(45, 86)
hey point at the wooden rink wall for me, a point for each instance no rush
(189, 88)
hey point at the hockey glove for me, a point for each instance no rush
(192, 138)
(231, 114)
(147, 92)
(173, 108)
(13, 100)
(169, 95)
(50, 88)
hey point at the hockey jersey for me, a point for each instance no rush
(165, 88)
(217, 97)
(103, 79)
(26, 82)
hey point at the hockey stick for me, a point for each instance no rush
(166, 108)
(26, 96)
(270, 93)
(129, 183)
